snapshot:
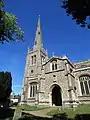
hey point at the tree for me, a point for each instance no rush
(9, 29)
(79, 10)
(5, 86)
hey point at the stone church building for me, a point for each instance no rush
(54, 81)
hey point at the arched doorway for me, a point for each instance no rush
(56, 96)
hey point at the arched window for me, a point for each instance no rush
(85, 84)
(33, 89)
(54, 65)
(33, 60)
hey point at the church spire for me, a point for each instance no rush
(38, 37)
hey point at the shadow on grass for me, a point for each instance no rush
(82, 117)
(62, 116)
(6, 113)
(32, 117)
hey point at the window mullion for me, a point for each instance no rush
(89, 85)
(32, 90)
(86, 84)
(84, 87)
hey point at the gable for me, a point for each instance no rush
(54, 64)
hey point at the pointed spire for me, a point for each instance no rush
(38, 38)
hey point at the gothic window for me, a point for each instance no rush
(54, 65)
(85, 84)
(33, 60)
(33, 89)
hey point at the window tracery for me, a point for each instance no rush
(33, 90)
(54, 65)
(85, 84)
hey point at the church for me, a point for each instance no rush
(54, 81)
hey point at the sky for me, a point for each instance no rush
(60, 35)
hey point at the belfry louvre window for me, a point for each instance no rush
(33, 60)
(85, 84)
(33, 89)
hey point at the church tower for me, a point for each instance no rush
(36, 56)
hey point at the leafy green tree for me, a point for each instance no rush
(5, 86)
(9, 28)
(79, 10)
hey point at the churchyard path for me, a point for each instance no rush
(41, 113)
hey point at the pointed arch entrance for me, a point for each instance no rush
(56, 97)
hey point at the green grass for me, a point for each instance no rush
(32, 108)
(81, 109)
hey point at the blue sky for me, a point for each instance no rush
(60, 35)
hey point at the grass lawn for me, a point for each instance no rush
(71, 113)
(32, 108)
